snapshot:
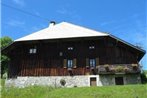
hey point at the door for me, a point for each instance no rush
(92, 81)
(119, 81)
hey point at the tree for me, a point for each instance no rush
(5, 41)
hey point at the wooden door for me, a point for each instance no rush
(92, 81)
(119, 81)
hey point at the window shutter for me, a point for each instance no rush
(64, 63)
(97, 61)
(74, 63)
(87, 62)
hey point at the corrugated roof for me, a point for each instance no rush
(62, 30)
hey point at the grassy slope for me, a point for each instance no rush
(128, 91)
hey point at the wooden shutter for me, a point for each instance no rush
(87, 62)
(97, 61)
(74, 63)
(64, 63)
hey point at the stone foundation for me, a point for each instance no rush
(127, 79)
(71, 81)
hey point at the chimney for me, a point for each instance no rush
(52, 23)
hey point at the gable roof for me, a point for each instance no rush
(62, 30)
(68, 30)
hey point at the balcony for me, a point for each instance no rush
(119, 69)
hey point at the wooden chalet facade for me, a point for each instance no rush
(95, 54)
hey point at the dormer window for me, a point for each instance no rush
(32, 50)
(91, 47)
(70, 48)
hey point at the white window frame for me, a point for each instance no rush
(92, 62)
(91, 47)
(32, 50)
(69, 63)
(70, 48)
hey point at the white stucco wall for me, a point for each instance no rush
(71, 81)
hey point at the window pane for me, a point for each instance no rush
(92, 62)
(70, 63)
(70, 48)
(91, 47)
(34, 50)
(31, 51)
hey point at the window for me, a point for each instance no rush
(91, 47)
(70, 48)
(60, 53)
(92, 62)
(69, 63)
(32, 50)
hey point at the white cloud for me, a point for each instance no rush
(19, 2)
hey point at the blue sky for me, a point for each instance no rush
(125, 19)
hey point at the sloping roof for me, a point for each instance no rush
(62, 30)
(68, 30)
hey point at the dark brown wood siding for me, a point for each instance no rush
(51, 57)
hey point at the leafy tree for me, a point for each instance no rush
(5, 41)
(144, 77)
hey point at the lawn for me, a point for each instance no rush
(127, 91)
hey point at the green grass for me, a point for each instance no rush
(127, 91)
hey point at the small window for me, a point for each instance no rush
(92, 62)
(91, 47)
(32, 50)
(69, 63)
(60, 53)
(70, 48)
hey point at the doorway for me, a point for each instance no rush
(119, 81)
(93, 82)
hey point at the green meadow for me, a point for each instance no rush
(126, 91)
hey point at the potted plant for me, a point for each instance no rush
(135, 66)
(87, 67)
(112, 69)
(107, 67)
(126, 69)
(119, 69)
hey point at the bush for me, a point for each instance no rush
(143, 78)
(119, 69)
(62, 82)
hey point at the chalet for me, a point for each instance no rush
(72, 54)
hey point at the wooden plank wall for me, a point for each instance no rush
(47, 62)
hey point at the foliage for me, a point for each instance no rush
(62, 82)
(119, 69)
(126, 91)
(144, 77)
(107, 67)
(5, 41)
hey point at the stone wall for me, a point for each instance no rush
(54, 81)
(128, 79)
(71, 81)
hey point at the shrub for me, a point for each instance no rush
(107, 67)
(143, 78)
(119, 69)
(62, 82)
(126, 69)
